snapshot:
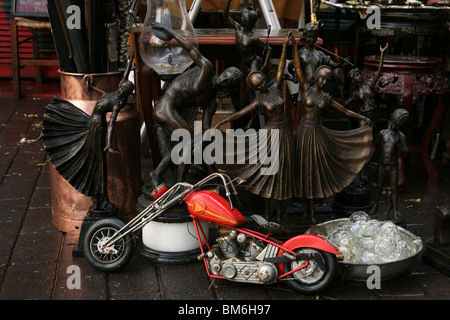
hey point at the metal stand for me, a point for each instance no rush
(270, 15)
(168, 239)
(194, 10)
(356, 197)
(267, 8)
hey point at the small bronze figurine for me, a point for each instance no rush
(312, 58)
(196, 87)
(363, 90)
(326, 160)
(255, 55)
(254, 52)
(75, 142)
(390, 141)
(279, 184)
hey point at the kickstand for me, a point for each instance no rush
(210, 286)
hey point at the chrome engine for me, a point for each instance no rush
(240, 258)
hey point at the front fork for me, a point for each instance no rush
(200, 233)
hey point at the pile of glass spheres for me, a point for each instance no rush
(369, 241)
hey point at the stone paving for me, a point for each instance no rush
(36, 259)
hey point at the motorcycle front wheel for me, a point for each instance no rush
(315, 277)
(111, 258)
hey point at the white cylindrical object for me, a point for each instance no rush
(172, 237)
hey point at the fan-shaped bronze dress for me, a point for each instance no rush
(74, 142)
(262, 176)
(327, 160)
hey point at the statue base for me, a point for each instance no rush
(294, 219)
(167, 257)
(356, 197)
(171, 237)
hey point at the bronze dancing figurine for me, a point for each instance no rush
(363, 90)
(254, 52)
(390, 141)
(269, 102)
(75, 142)
(310, 57)
(196, 87)
(326, 160)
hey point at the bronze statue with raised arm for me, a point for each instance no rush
(326, 160)
(363, 90)
(270, 103)
(254, 52)
(196, 87)
(312, 58)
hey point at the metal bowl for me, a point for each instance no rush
(388, 270)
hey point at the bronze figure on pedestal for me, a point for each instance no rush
(326, 160)
(363, 90)
(390, 141)
(312, 59)
(254, 52)
(270, 103)
(75, 142)
(196, 87)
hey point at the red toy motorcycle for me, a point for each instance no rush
(242, 255)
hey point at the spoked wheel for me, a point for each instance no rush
(107, 258)
(316, 276)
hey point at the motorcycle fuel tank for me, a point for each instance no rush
(211, 207)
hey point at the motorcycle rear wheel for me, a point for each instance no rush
(312, 279)
(117, 255)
